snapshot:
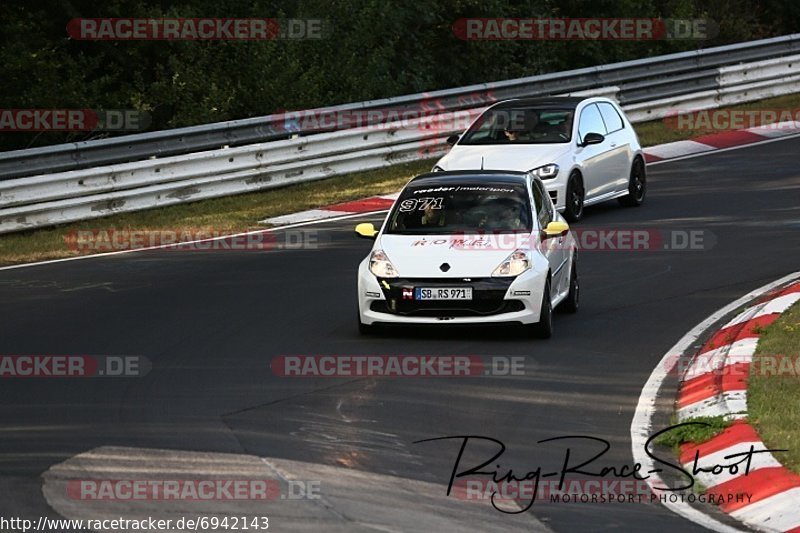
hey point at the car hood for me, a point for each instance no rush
(521, 158)
(420, 256)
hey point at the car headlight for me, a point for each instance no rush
(514, 265)
(437, 168)
(380, 265)
(546, 172)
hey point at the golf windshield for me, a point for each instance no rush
(450, 209)
(523, 125)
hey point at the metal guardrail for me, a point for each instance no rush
(100, 191)
(639, 81)
(735, 84)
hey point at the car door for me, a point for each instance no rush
(620, 153)
(553, 248)
(595, 159)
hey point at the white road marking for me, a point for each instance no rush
(778, 511)
(304, 216)
(677, 149)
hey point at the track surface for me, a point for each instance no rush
(210, 322)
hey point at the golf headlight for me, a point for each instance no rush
(380, 265)
(514, 265)
(437, 168)
(547, 171)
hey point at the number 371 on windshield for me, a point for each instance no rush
(421, 203)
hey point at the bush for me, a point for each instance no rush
(376, 49)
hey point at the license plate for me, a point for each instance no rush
(443, 293)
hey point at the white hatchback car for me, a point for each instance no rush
(469, 247)
(582, 162)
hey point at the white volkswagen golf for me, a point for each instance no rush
(582, 162)
(469, 247)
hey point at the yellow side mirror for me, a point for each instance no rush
(366, 230)
(556, 228)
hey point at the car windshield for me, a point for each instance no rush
(450, 209)
(521, 125)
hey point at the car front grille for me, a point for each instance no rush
(487, 298)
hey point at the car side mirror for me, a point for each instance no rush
(453, 139)
(555, 229)
(366, 230)
(592, 138)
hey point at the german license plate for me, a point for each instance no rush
(443, 293)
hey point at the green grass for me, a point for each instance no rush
(773, 393)
(693, 434)
(242, 212)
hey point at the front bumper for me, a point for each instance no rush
(557, 191)
(494, 300)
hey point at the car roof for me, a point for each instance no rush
(545, 101)
(470, 177)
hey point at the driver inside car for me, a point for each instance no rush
(522, 132)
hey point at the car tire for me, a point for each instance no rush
(572, 301)
(544, 328)
(574, 197)
(637, 185)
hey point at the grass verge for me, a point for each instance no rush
(696, 433)
(708, 428)
(773, 392)
(242, 212)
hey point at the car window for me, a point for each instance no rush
(538, 198)
(610, 116)
(544, 207)
(590, 122)
(461, 208)
(520, 125)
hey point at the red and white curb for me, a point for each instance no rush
(366, 205)
(661, 152)
(718, 141)
(715, 384)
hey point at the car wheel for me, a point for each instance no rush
(573, 206)
(637, 186)
(544, 328)
(571, 302)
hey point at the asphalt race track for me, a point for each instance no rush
(210, 322)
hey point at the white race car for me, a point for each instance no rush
(582, 162)
(469, 247)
